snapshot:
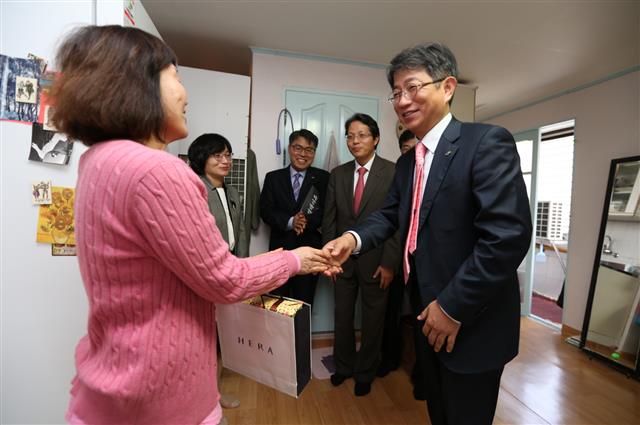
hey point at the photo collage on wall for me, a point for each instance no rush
(25, 98)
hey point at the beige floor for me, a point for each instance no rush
(550, 382)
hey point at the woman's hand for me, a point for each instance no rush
(315, 260)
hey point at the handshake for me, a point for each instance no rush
(327, 260)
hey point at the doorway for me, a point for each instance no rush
(547, 157)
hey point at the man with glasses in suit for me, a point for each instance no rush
(281, 202)
(356, 189)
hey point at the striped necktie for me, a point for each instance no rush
(296, 185)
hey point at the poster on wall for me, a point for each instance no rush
(44, 104)
(19, 89)
(55, 221)
(41, 192)
(50, 147)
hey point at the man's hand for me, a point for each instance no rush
(341, 248)
(438, 327)
(299, 223)
(386, 276)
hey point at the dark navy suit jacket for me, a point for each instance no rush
(475, 229)
(277, 205)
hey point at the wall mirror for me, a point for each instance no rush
(611, 328)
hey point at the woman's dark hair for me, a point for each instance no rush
(366, 120)
(203, 147)
(305, 134)
(109, 84)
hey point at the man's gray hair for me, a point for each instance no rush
(435, 58)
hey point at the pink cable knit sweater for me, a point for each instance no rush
(153, 264)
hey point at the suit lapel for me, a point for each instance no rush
(234, 212)
(309, 180)
(286, 176)
(372, 183)
(347, 183)
(443, 156)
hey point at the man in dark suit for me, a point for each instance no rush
(356, 189)
(281, 201)
(460, 204)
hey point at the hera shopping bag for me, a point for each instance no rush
(267, 339)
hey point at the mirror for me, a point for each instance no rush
(611, 328)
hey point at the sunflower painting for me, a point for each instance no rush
(55, 221)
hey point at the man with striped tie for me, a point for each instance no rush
(281, 202)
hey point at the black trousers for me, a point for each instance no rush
(453, 398)
(363, 363)
(392, 343)
(302, 288)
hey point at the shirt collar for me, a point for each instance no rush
(367, 165)
(293, 171)
(207, 183)
(431, 139)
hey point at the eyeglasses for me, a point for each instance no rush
(351, 137)
(410, 91)
(220, 156)
(299, 149)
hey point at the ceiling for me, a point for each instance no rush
(514, 52)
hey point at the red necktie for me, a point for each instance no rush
(357, 196)
(410, 247)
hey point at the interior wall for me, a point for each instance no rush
(607, 126)
(218, 103)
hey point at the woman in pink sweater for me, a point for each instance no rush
(152, 260)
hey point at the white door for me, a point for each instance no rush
(324, 114)
(527, 143)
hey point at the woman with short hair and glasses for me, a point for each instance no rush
(152, 260)
(210, 157)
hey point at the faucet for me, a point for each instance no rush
(606, 247)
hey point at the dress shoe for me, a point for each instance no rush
(362, 388)
(338, 378)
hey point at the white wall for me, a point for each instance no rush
(44, 308)
(218, 103)
(606, 127)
